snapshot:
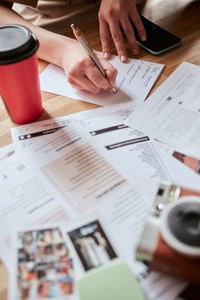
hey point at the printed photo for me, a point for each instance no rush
(26, 254)
(45, 267)
(45, 289)
(26, 277)
(45, 253)
(92, 245)
(26, 239)
(60, 251)
(48, 236)
(188, 161)
(45, 271)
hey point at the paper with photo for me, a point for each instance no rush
(97, 244)
(66, 157)
(26, 198)
(92, 245)
(172, 113)
(83, 177)
(43, 265)
(48, 261)
(134, 82)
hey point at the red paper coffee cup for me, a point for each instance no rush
(19, 78)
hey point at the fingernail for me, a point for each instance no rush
(106, 56)
(123, 58)
(114, 90)
(135, 52)
(144, 37)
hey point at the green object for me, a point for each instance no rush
(114, 281)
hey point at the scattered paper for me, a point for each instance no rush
(130, 151)
(88, 183)
(75, 155)
(26, 198)
(172, 113)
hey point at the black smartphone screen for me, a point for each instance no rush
(158, 39)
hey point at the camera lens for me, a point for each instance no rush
(180, 225)
(184, 223)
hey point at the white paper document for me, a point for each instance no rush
(172, 113)
(130, 151)
(26, 198)
(6, 151)
(81, 175)
(88, 182)
(134, 81)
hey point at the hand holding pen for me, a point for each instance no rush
(103, 73)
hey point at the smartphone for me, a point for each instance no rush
(158, 39)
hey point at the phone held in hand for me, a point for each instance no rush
(158, 39)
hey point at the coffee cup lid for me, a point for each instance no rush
(17, 43)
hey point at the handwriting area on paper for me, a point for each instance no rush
(134, 82)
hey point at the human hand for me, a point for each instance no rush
(83, 74)
(68, 54)
(113, 14)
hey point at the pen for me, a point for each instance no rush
(81, 38)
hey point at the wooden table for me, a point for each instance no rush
(181, 17)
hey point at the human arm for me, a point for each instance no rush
(66, 53)
(112, 15)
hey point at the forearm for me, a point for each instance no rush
(50, 43)
(67, 53)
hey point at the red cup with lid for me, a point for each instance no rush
(19, 77)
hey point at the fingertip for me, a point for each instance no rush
(135, 52)
(142, 34)
(143, 37)
(95, 91)
(106, 55)
(111, 77)
(111, 90)
(123, 58)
